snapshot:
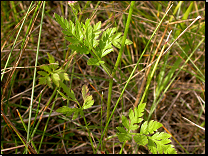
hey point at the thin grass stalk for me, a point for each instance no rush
(154, 105)
(15, 41)
(138, 98)
(23, 46)
(101, 118)
(46, 125)
(152, 73)
(34, 123)
(49, 101)
(118, 60)
(72, 74)
(131, 77)
(10, 124)
(34, 76)
(37, 109)
(86, 5)
(165, 60)
(161, 83)
(14, 11)
(95, 10)
(202, 75)
(25, 127)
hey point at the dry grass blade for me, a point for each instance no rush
(12, 148)
(194, 123)
(31, 150)
(148, 70)
(19, 58)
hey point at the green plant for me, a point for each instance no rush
(156, 142)
(88, 102)
(84, 39)
(52, 73)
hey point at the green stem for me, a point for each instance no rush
(34, 76)
(88, 132)
(49, 101)
(118, 60)
(122, 147)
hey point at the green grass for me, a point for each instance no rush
(173, 88)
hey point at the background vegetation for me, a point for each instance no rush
(176, 93)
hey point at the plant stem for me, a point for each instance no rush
(49, 101)
(34, 76)
(118, 60)
(86, 125)
(122, 147)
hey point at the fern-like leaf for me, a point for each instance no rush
(123, 135)
(150, 127)
(64, 23)
(159, 143)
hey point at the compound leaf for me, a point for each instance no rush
(79, 48)
(121, 129)
(73, 40)
(88, 104)
(64, 96)
(69, 93)
(152, 147)
(150, 127)
(141, 139)
(63, 23)
(123, 136)
(46, 68)
(94, 61)
(48, 81)
(63, 76)
(43, 73)
(42, 80)
(153, 126)
(125, 122)
(97, 26)
(64, 110)
(107, 51)
(128, 42)
(50, 58)
(159, 142)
